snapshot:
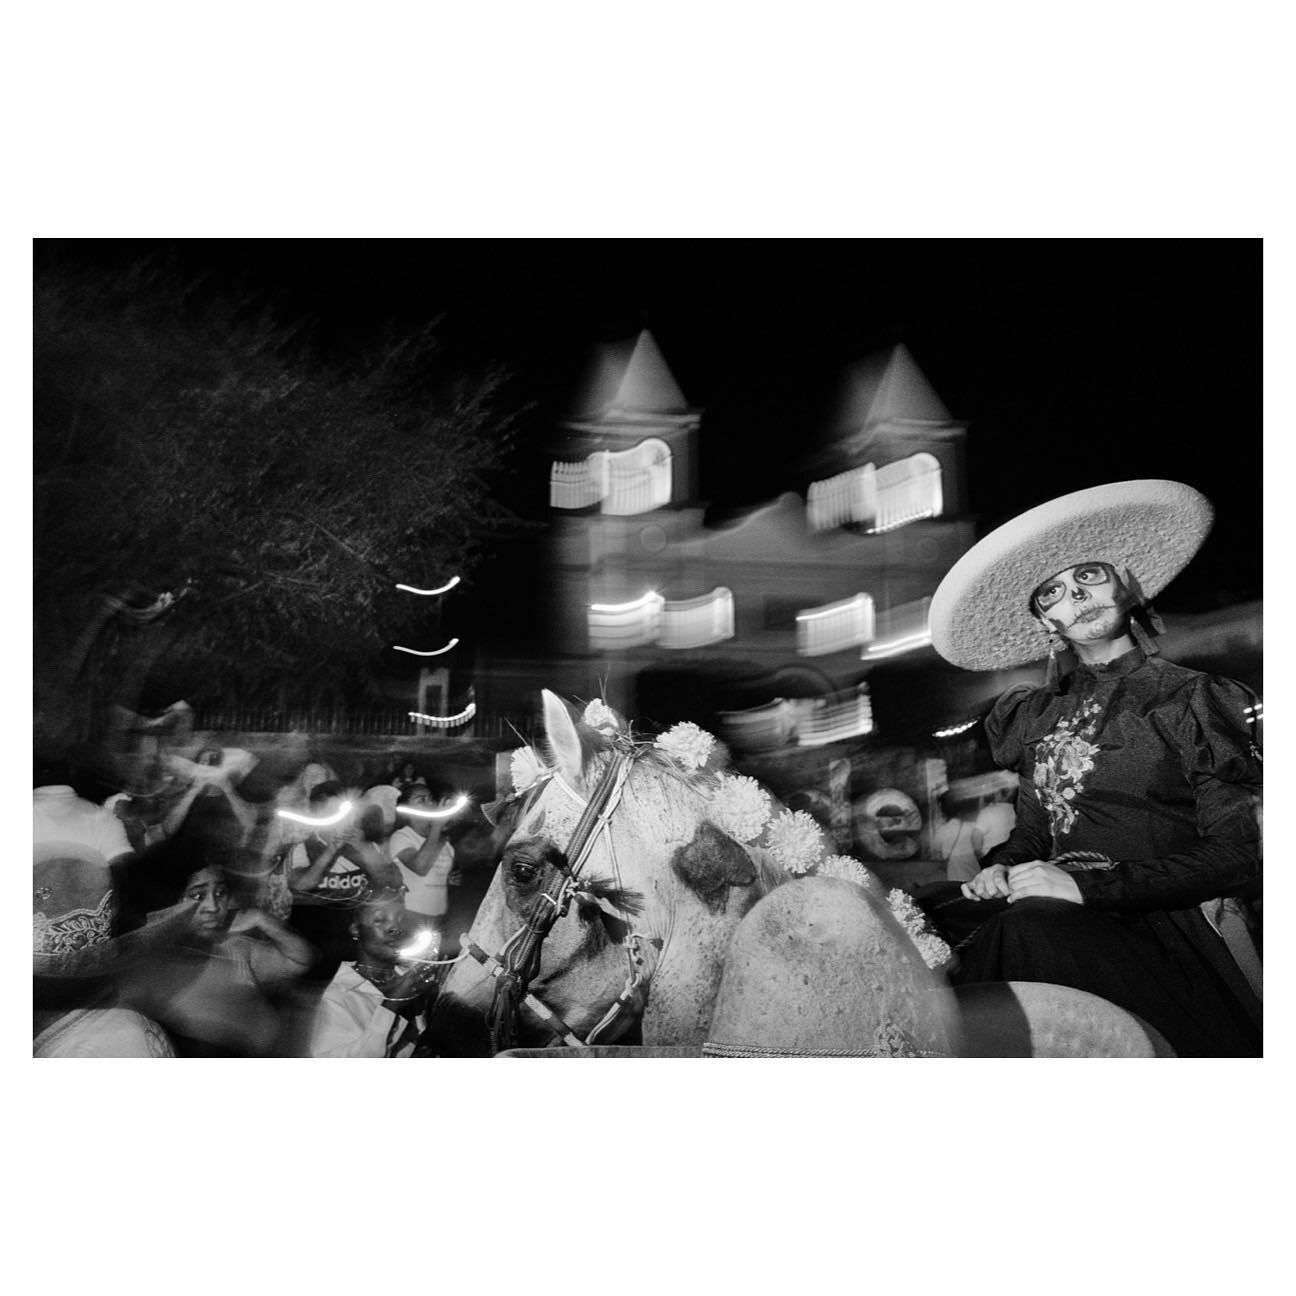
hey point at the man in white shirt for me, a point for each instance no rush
(376, 1006)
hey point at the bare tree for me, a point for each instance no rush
(215, 505)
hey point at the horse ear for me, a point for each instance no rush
(561, 739)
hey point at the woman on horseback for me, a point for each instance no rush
(1137, 777)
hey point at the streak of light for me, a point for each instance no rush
(326, 822)
(440, 589)
(445, 722)
(435, 652)
(416, 813)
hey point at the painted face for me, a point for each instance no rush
(208, 890)
(380, 931)
(1084, 603)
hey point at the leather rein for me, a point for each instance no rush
(519, 961)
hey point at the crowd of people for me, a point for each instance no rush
(185, 918)
(191, 917)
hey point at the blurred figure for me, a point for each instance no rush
(422, 855)
(210, 806)
(329, 871)
(408, 777)
(75, 952)
(996, 820)
(60, 816)
(213, 988)
(959, 842)
(375, 1006)
(477, 848)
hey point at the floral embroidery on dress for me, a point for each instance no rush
(1062, 759)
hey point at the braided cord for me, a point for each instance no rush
(740, 1050)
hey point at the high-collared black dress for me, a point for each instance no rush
(1151, 766)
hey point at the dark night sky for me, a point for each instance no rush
(1074, 362)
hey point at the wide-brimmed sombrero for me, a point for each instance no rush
(980, 614)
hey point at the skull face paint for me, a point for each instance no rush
(1084, 604)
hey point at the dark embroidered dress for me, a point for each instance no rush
(1150, 765)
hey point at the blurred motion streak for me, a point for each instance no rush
(900, 629)
(679, 624)
(445, 722)
(879, 499)
(694, 623)
(835, 626)
(621, 482)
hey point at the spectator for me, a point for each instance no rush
(375, 1006)
(996, 821)
(420, 851)
(60, 816)
(329, 871)
(959, 841)
(407, 778)
(214, 988)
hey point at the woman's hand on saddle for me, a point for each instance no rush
(1039, 878)
(988, 884)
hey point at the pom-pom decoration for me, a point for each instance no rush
(844, 866)
(934, 951)
(740, 807)
(794, 841)
(687, 744)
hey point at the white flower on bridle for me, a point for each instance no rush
(525, 769)
(598, 715)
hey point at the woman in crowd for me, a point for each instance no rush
(214, 987)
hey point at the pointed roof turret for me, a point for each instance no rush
(630, 377)
(887, 388)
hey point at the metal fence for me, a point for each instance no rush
(365, 722)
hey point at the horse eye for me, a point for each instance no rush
(523, 872)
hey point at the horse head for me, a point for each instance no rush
(669, 870)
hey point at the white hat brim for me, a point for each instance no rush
(980, 614)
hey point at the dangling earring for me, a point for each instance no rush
(1052, 673)
(1144, 625)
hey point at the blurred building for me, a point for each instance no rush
(765, 629)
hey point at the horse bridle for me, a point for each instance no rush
(519, 961)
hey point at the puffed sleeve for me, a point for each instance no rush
(1005, 726)
(1222, 766)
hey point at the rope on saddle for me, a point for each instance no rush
(1080, 861)
(739, 1050)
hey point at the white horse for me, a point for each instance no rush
(682, 852)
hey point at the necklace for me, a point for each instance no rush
(379, 973)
